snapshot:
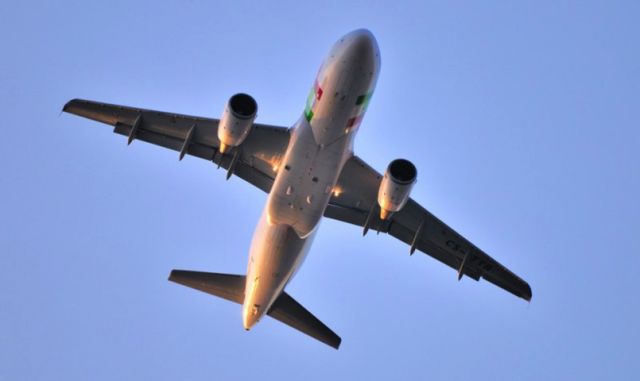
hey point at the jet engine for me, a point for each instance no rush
(236, 121)
(395, 187)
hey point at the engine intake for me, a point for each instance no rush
(237, 119)
(395, 187)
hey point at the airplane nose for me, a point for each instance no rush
(363, 43)
(362, 47)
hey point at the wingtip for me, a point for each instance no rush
(68, 105)
(528, 294)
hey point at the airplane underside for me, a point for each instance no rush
(309, 172)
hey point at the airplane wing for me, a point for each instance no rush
(255, 161)
(355, 202)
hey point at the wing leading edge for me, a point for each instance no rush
(417, 227)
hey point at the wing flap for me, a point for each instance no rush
(163, 123)
(167, 141)
(406, 235)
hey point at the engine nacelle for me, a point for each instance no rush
(396, 186)
(236, 121)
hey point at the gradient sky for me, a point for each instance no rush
(523, 121)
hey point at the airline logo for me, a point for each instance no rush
(315, 94)
(312, 100)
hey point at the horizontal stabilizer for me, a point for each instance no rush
(291, 313)
(284, 309)
(226, 286)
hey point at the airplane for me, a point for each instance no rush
(309, 172)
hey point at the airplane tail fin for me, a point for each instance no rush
(285, 308)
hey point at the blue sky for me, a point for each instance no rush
(522, 119)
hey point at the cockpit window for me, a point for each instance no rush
(364, 99)
(362, 102)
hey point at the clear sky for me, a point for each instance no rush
(523, 121)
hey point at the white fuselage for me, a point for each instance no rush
(321, 142)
